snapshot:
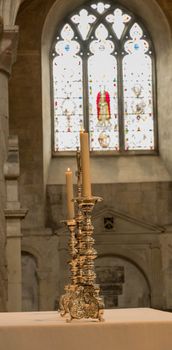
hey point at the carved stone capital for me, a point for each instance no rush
(12, 166)
(8, 47)
(16, 213)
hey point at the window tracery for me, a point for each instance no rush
(102, 77)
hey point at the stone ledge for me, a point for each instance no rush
(15, 214)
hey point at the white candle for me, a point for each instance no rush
(85, 164)
(69, 192)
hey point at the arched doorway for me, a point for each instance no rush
(122, 283)
(29, 283)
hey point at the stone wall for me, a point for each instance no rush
(130, 223)
(8, 43)
(30, 113)
(3, 154)
(41, 287)
(151, 201)
(138, 188)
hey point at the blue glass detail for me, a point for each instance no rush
(67, 47)
(136, 46)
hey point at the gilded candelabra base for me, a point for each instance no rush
(82, 297)
(81, 302)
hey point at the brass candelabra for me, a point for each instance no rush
(82, 296)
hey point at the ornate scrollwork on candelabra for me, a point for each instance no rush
(82, 297)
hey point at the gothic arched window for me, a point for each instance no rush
(102, 79)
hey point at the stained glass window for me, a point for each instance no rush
(102, 92)
(102, 79)
(68, 91)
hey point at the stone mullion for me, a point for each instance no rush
(14, 214)
(8, 46)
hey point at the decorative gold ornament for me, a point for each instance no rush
(82, 297)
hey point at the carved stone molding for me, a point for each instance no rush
(13, 209)
(123, 223)
(12, 167)
(9, 10)
(15, 214)
(8, 47)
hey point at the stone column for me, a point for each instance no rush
(166, 248)
(8, 45)
(14, 214)
(157, 280)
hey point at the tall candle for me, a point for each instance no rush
(85, 164)
(69, 192)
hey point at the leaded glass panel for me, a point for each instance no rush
(68, 92)
(137, 91)
(118, 20)
(84, 21)
(100, 7)
(102, 85)
(103, 73)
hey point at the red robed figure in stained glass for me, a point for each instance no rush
(103, 106)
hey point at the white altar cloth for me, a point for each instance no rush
(123, 329)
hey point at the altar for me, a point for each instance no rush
(123, 329)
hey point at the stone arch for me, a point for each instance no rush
(33, 251)
(116, 274)
(133, 260)
(129, 255)
(30, 283)
(154, 19)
